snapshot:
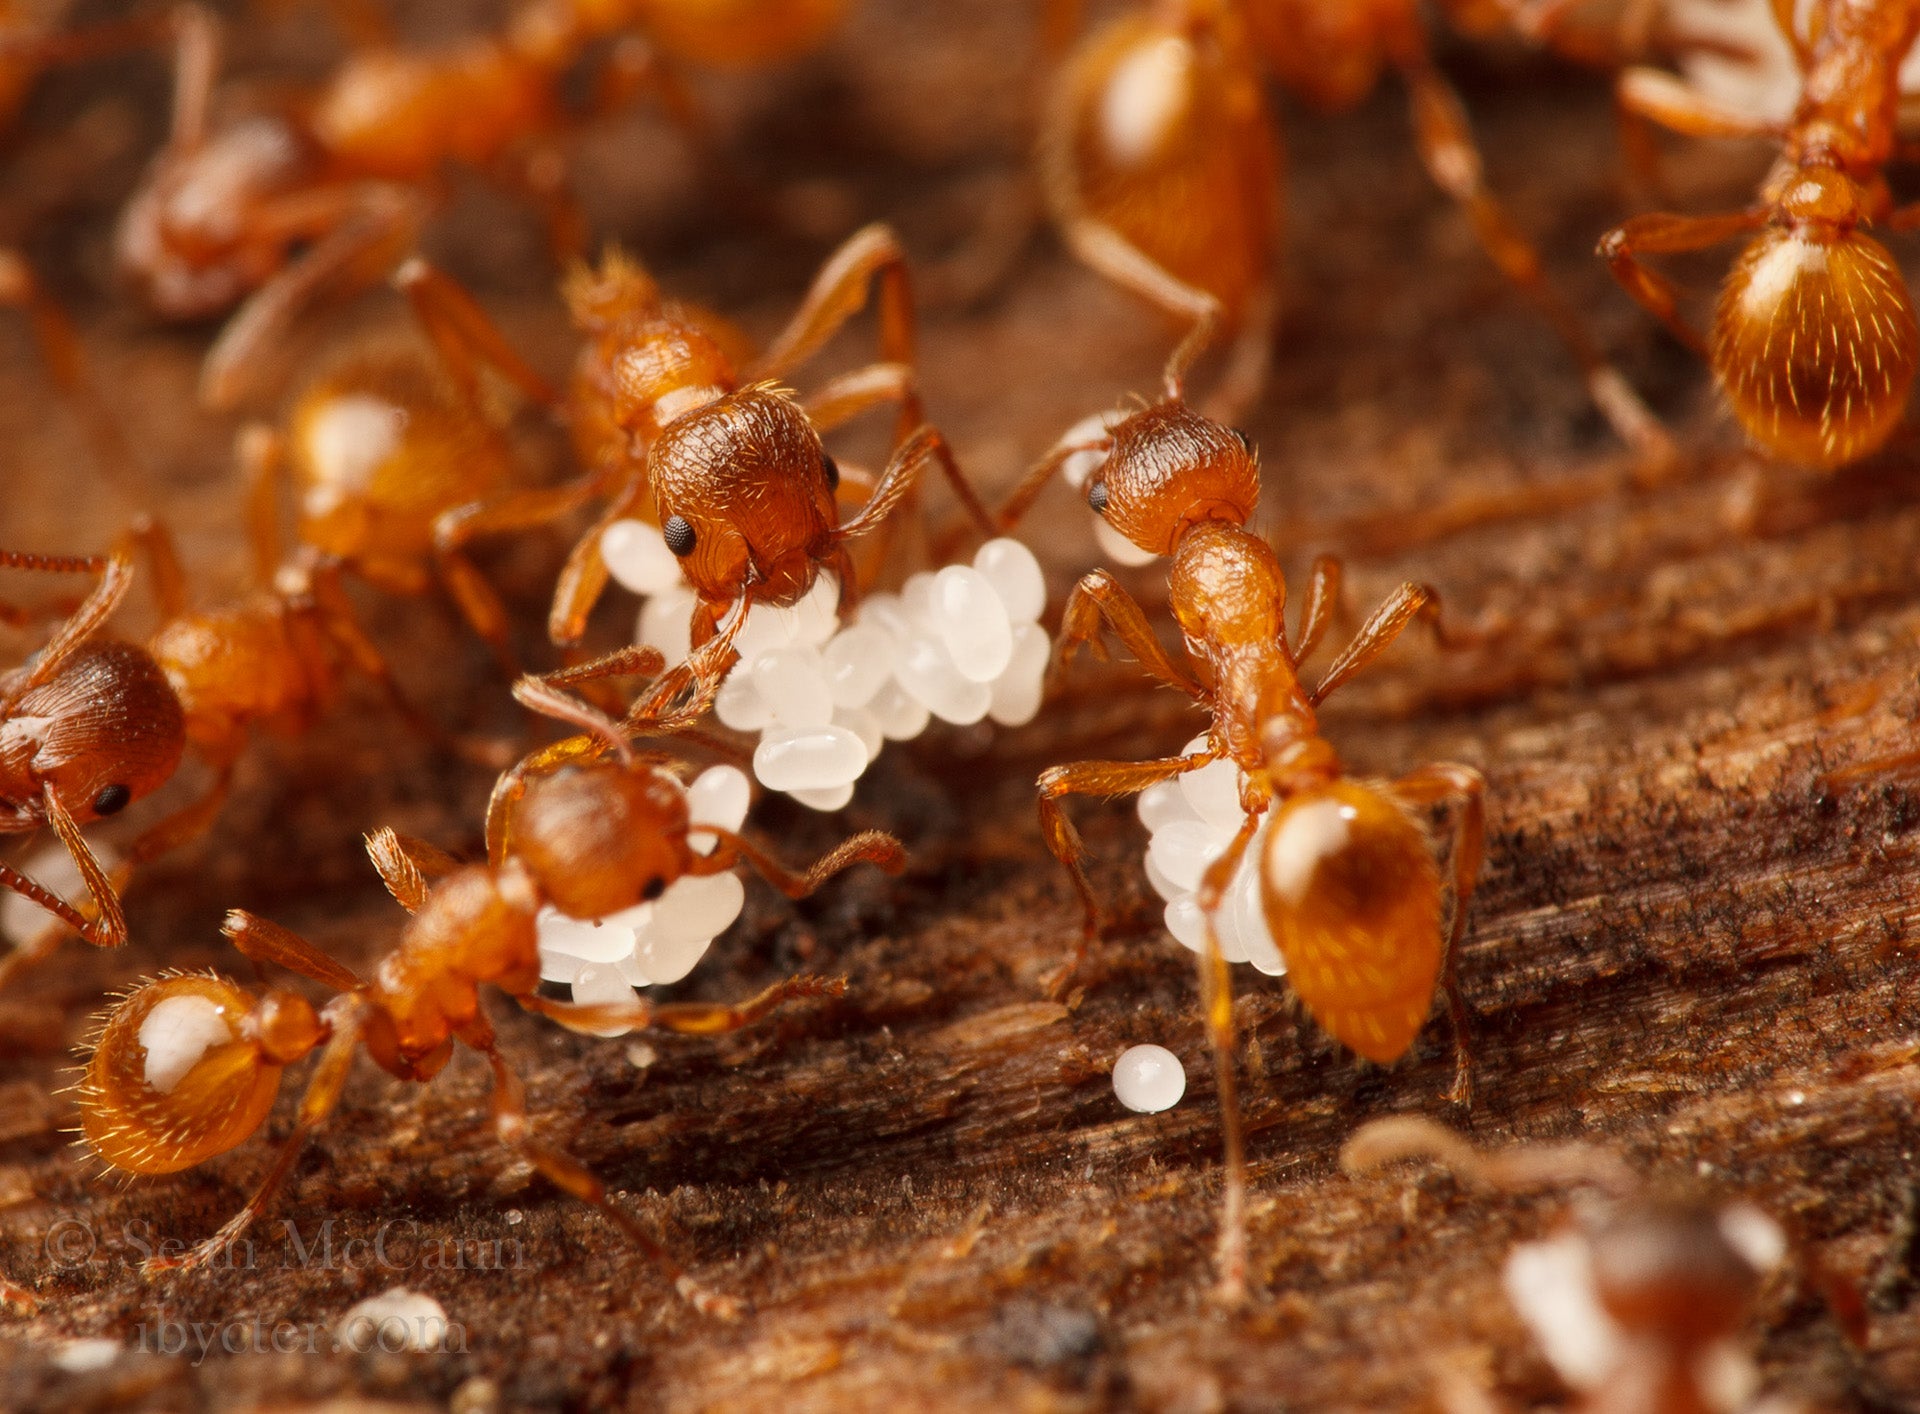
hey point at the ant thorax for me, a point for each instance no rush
(963, 644)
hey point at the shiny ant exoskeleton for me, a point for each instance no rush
(351, 171)
(1348, 883)
(1640, 1302)
(1814, 341)
(87, 727)
(1159, 162)
(185, 1067)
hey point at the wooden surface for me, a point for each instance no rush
(1692, 941)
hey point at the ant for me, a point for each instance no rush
(1814, 341)
(331, 190)
(1641, 1303)
(592, 829)
(86, 728)
(1159, 163)
(273, 658)
(744, 492)
(1349, 886)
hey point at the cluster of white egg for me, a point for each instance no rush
(963, 644)
(1190, 821)
(604, 959)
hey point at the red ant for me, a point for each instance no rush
(351, 171)
(1649, 1292)
(1814, 341)
(744, 492)
(1348, 881)
(202, 679)
(1160, 165)
(592, 827)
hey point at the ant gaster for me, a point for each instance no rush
(596, 827)
(1349, 885)
(1814, 341)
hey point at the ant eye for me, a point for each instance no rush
(653, 888)
(832, 469)
(1246, 442)
(678, 535)
(111, 800)
(1097, 497)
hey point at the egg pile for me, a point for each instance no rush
(604, 959)
(1190, 822)
(963, 644)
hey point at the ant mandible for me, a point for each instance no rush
(86, 729)
(351, 171)
(1814, 341)
(1349, 886)
(592, 828)
(1159, 163)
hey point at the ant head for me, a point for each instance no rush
(1346, 860)
(109, 730)
(1171, 468)
(181, 245)
(601, 836)
(1814, 338)
(744, 496)
(1672, 1268)
(186, 1067)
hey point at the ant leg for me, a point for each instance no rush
(66, 361)
(1409, 602)
(186, 824)
(407, 866)
(874, 847)
(583, 579)
(1216, 1005)
(263, 940)
(477, 600)
(260, 453)
(1429, 785)
(539, 176)
(150, 537)
(342, 628)
(1661, 97)
(1099, 600)
(508, 1104)
(109, 930)
(847, 395)
(196, 64)
(686, 1018)
(872, 255)
(1021, 499)
(116, 577)
(464, 334)
(323, 1094)
(902, 470)
(359, 234)
(1657, 234)
(1102, 778)
(1323, 597)
(1452, 159)
(1108, 253)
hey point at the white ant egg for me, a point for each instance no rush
(1015, 575)
(973, 623)
(1149, 1079)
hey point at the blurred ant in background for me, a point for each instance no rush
(1348, 882)
(1159, 161)
(186, 1067)
(329, 191)
(1814, 341)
